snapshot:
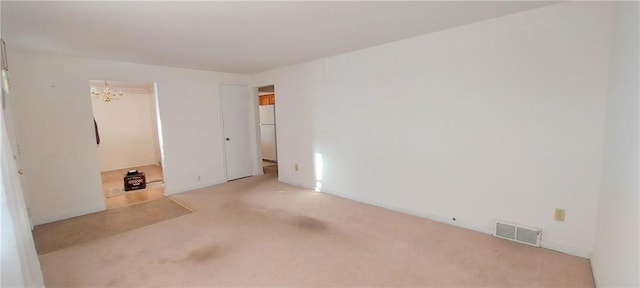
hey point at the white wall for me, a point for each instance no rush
(128, 131)
(294, 119)
(19, 262)
(499, 119)
(616, 252)
(57, 134)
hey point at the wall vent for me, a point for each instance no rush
(518, 233)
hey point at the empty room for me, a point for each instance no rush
(312, 143)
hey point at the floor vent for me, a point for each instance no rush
(519, 233)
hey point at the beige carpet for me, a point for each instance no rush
(259, 232)
(74, 231)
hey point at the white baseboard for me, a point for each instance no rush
(437, 218)
(462, 224)
(487, 230)
(294, 183)
(565, 249)
(44, 220)
(194, 187)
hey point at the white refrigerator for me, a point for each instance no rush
(268, 132)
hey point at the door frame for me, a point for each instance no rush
(256, 97)
(158, 132)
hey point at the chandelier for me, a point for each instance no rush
(106, 94)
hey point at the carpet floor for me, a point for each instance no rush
(74, 231)
(260, 232)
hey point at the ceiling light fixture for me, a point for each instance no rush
(106, 94)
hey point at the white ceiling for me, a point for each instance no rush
(241, 37)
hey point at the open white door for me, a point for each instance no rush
(8, 111)
(236, 126)
(20, 264)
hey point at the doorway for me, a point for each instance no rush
(128, 140)
(268, 140)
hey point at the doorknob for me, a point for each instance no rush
(228, 138)
(20, 172)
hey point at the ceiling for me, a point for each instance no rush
(240, 37)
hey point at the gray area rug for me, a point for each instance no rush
(62, 234)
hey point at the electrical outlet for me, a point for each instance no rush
(296, 167)
(559, 214)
